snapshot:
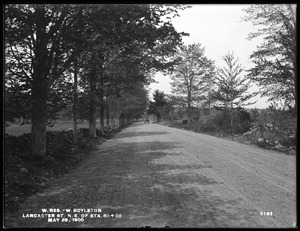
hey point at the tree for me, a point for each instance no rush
(208, 88)
(175, 104)
(75, 101)
(275, 59)
(43, 41)
(34, 40)
(189, 72)
(232, 88)
(17, 101)
(158, 106)
(129, 104)
(126, 43)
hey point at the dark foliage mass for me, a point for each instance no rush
(275, 59)
(84, 59)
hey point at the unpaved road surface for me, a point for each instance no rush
(157, 176)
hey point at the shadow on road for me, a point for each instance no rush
(149, 183)
(130, 148)
(160, 190)
(143, 133)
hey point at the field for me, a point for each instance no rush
(17, 130)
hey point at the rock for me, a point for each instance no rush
(83, 132)
(269, 125)
(247, 133)
(43, 179)
(23, 170)
(279, 146)
(261, 143)
(261, 140)
(43, 184)
(291, 152)
(184, 121)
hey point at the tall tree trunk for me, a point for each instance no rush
(162, 114)
(92, 122)
(75, 104)
(128, 119)
(39, 88)
(102, 96)
(107, 117)
(209, 99)
(231, 118)
(101, 109)
(92, 105)
(39, 116)
(199, 113)
(295, 96)
(101, 114)
(121, 120)
(189, 96)
(118, 115)
(171, 115)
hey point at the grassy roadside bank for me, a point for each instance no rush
(250, 138)
(24, 177)
(17, 129)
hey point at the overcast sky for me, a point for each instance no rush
(219, 29)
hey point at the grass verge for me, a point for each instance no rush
(25, 176)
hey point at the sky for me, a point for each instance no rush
(219, 29)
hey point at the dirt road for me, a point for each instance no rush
(152, 175)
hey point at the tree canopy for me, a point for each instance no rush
(232, 87)
(190, 72)
(116, 47)
(275, 58)
(158, 105)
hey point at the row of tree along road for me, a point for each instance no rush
(96, 60)
(206, 98)
(87, 56)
